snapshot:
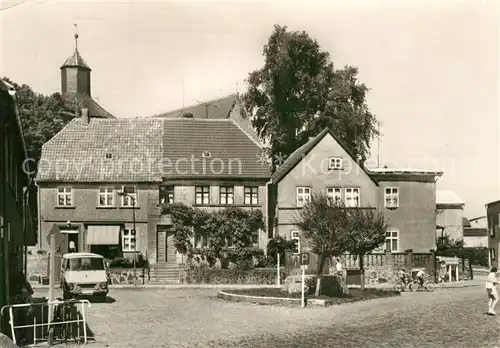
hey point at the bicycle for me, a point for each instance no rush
(401, 285)
(427, 286)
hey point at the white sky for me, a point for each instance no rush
(432, 67)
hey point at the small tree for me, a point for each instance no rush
(322, 223)
(365, 231)
(278, 245)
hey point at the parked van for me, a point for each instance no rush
(84, 274)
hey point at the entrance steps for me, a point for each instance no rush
(165, 273)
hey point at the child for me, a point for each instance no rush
(420, 276)
(491, 290)
(403, 276)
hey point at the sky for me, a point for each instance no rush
(431, 66)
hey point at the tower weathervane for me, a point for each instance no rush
(76, 36)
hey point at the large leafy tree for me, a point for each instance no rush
(365, 231)
(298, 92)
(322, 223)
(42, 116)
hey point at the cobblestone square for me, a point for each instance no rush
(196, 318)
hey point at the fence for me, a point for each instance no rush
(68, 323)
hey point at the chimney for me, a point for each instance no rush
(85, 115)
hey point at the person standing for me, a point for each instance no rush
(491, 290)
(72, 247)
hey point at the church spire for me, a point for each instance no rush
(75, 73)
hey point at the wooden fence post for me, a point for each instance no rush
(434, 265)
(470, 270)
(409, 258)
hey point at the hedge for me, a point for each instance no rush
(257, 276)
(477, 256)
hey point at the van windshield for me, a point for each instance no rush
(86, 264)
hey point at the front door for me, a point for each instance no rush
(171, 250)
(161, 246)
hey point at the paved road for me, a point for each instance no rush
(195, 318)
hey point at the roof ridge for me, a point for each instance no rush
(194, 105)
(242, 130)
(74, 120)
(197, 119)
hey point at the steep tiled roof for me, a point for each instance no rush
(216, 109)
(302, 151)
(76, 60)
(85, 101)
(232, 153)
(148, 150)
(80, 152)
(448, 197)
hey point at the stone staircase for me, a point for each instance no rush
(165, 273)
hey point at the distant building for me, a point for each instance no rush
(449, 214)
(493, 218)
(479, 222)
(17, 198)
(230, 107)
(405, 196)
(474, 237)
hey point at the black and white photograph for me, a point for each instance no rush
(272, 174)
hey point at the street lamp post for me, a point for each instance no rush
(124, 194)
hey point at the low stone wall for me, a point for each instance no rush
(37, 266)
(257, 276)
(126, 276)
(259, 300)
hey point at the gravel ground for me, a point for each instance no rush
(196, 318)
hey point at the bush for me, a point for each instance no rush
(478, 256)
(330, 286)
(258, 276)
(229, 258)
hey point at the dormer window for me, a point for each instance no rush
(206, 154)
(335, 163)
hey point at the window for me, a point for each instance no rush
(335, 194)
(251, 195)
(226, 194)
(392, 240)
(335, 163)
(166, 194)
(352, 197)
(126, 199)
(202, 194)
(391, 196)
(296, 237)
(106, 197)
(303, 196)
(128, 240)
(64, 197)
(255, 239)
(201, 241)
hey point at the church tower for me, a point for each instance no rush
(75, 85)
(75, 75)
